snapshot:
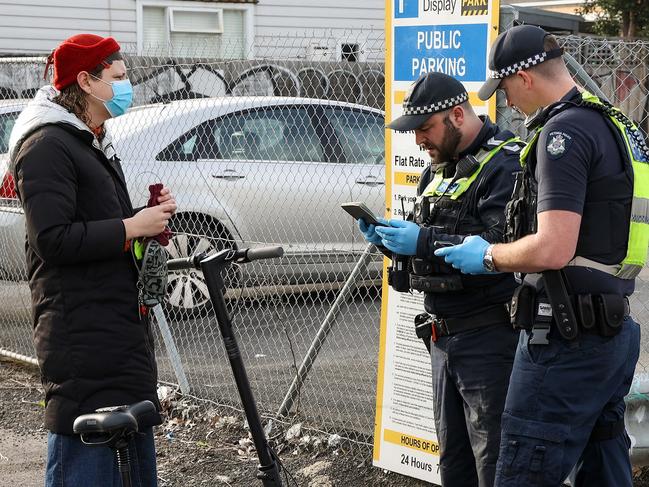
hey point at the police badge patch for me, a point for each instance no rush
(558, 144)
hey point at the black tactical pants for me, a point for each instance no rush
(557, 394)
(470, 378)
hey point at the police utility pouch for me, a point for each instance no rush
(421, 267)
(436, 284)
(398, 275)
(424, 328)
(611, 314)
(521, 310)
(152, 270)
(586, 311)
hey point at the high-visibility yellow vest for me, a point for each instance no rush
(636, 154)
(440, 185)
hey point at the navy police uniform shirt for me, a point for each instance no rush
(576, 148)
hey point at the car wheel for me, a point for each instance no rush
(187, 293)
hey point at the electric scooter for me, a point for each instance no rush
(114, 427)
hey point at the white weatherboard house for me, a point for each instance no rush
(231, 28)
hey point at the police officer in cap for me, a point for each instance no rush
(579, 225)
(462, 193)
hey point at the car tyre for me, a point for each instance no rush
(187, 294)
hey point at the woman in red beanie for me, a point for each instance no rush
(94, 344)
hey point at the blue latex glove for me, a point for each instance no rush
(369, 232)
(400, 237)
(467, 256)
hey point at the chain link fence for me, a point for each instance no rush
(260, 149)
(619, 69)
(258, 152)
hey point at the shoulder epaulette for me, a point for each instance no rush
(514, 147)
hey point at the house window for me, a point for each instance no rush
(185, 29)
(349, 52)
(195, 21)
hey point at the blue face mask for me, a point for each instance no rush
(122, 97)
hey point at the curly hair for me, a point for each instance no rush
(75, 101)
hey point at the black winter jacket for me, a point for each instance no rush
(93, 348)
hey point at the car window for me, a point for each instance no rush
(270, 134)
(196, 144)
(7, 121)
(360, 134)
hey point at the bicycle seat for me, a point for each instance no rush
(100, 425)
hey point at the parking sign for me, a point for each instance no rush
(452, 37)
(406, 9)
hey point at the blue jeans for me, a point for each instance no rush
(470, 377)
(70, 463)
(557, 394)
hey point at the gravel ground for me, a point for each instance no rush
(195, 445)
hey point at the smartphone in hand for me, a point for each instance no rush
(358, 210)
(439, 244)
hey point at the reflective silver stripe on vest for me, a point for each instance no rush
(640, 210)
(611, 269)
(621, 271)
(629, 271)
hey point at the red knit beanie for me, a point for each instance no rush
(82, 52)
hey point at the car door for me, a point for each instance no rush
(360, 137)
(269, 172)
(12, 222)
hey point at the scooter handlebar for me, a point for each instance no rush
(260, 253)
(240, 256)
(184, 263)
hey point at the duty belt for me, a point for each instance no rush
(598, 314)
(429, 327)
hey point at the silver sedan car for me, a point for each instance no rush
(12, 223)
(250, 171)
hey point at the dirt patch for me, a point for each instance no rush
(23, 441)
(198, 445)
(22, 457)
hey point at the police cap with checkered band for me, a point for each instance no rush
(430, 94)
(514, 50)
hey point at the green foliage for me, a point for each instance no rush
(626, 18)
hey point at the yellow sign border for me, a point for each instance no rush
(491, 110)
(378, 417)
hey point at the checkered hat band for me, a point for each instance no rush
(526, 64)
(435, 107)
(515, 68)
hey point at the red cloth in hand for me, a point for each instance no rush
(154, 193)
